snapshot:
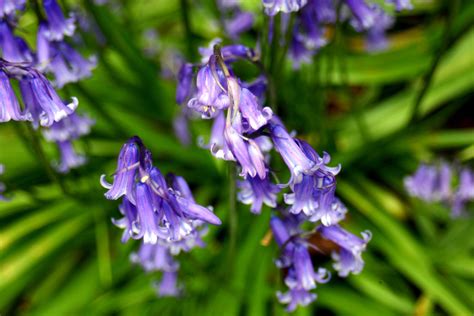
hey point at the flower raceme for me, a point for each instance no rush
(153, 210)
(434, 183)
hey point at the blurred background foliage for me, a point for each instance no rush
(60, 254)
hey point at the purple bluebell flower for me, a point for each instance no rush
(69, 158)
(69, 128)
(296, 297)
(14, 49)
(154, 258)
(376, 38)
(125, 175)
(185, 80)
(252, 113)
(349, 258)
(128, 221)
(8, 7)
(258, 87)
(401, 4)
(168, 285)
(229, 53)
(217, 144)
(62, 60)
(246, 151)
(58, 25)
(464, 192)
(42, 104)
(9, 106)
(301, 277)
(364, 14)
(211, 96)
(238, 23)
(272, 7)
(291, 153)
(430, 183)
(164, 214)
(256, 192)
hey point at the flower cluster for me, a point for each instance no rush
(434, 183)
(42, 105)
(54, 54)
(245, 132)
(159, 211)
(314, 17)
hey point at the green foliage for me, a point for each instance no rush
(60, 254)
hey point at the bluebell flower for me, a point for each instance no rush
(272, 7)
(125, 174)
(9, 106)
(364, 14)
(293, 156)
(229, 53)
(401, 4)
(69, 159)
(256, 192)
(246, 151)
(58, 25)
(464, 192)
(168, 285)
(349, 257)
(301, 277)
(128, 221)
(376, 38)
(257, 87)
(211, 95)
(252, 113)
(69, 128)
(8, 7)
(154, 258)
(62, 60)
(217, 144)
(42, 104)
(14, 49)
(238, 23)
(430, 183)
(185, 80)
(166, 214)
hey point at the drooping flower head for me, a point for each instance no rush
(349, 258)
(154, 210)
(42, 104)
(60, 59)
(256, 192)
(430, 183)
(69, 128)
(301, 277)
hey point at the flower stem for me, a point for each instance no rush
(232, 212)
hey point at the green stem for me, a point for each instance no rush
(232, 212)
(103, 246)
(184, 5)
(452, 8)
